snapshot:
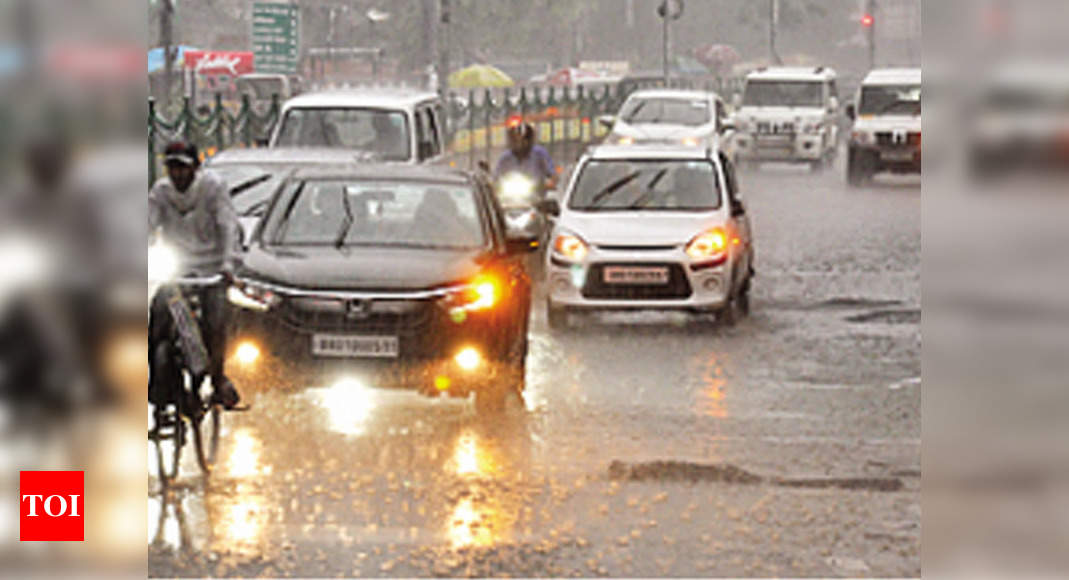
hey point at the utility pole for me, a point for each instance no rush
(668, 10)
(773, 24)
(167, 40)
(445, 17)
(869, 20)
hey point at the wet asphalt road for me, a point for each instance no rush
(820, 385)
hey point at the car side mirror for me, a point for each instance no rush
(727, 127)
(738, 209)
(851, 112)
(549, 206)
(607, 121)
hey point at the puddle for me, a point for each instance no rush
(911, 316)
(728, 473)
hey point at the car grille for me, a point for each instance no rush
(768, 128)
(621, 248)
(401, 318)
(677, 288)
(889, 139)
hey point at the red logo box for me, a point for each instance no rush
(51, 506)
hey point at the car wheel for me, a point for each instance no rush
(742, 301)
(729, 315)
(557, 317)
(857, 171)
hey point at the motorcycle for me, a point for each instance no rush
(522, 199)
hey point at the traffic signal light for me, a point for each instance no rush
(867, 20)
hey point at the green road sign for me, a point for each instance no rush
(276, 37)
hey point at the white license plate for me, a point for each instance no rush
(340, 345)
(630, 275)
(897, 155)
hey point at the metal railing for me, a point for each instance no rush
(564, 118)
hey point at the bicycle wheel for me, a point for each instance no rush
(206, 437)
(169, 442)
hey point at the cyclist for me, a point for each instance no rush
(191, 209)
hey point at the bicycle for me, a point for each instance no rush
(186, 398)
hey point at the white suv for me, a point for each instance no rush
(788, 114)
(887, 125)
(650, 227)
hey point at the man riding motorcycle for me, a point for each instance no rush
(526, 171)
(191, 211)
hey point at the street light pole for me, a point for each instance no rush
(870, 31)
(664, 49)
(166, 39)
(773, 24)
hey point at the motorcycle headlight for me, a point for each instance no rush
(570, 247)
(252, 297)
(516, 188)
(162, 263)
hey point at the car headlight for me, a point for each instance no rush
(624, 140)
(162, 263)
(570, 247)
(252, 297)
(482, 293)
(707, 245)
(689, 141)
(516, 188)
(861, 137)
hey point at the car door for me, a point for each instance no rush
(739, 225)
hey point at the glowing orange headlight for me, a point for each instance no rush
(571, 247)
(482, 293)
(708, 244)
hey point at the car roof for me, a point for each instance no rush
(385, 172)
(673, 93)
(791, 73)
(286, 156)
(651, 151)
(375, 98)
(893, 76)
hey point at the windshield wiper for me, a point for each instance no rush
(612, 187)
(631, 116)
(347, 222)
(283, 222)
(249, 184)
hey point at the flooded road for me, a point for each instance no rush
(646, 444)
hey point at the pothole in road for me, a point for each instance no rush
(909, 316)
(692, 472)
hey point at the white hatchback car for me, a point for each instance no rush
(670, 117)
(650, 227)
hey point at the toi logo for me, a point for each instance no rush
(51, 506)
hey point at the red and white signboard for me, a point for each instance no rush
(219, 62)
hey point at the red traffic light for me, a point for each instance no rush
(867, 20)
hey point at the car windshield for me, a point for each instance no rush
(381, 131)
(260, 89)
(783, 94)
(890, 100)
(251, 186)
(673, 111)
(655, 184)
(376, 213)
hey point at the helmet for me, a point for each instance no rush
(181, 153)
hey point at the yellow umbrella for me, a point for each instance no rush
(479, 76)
